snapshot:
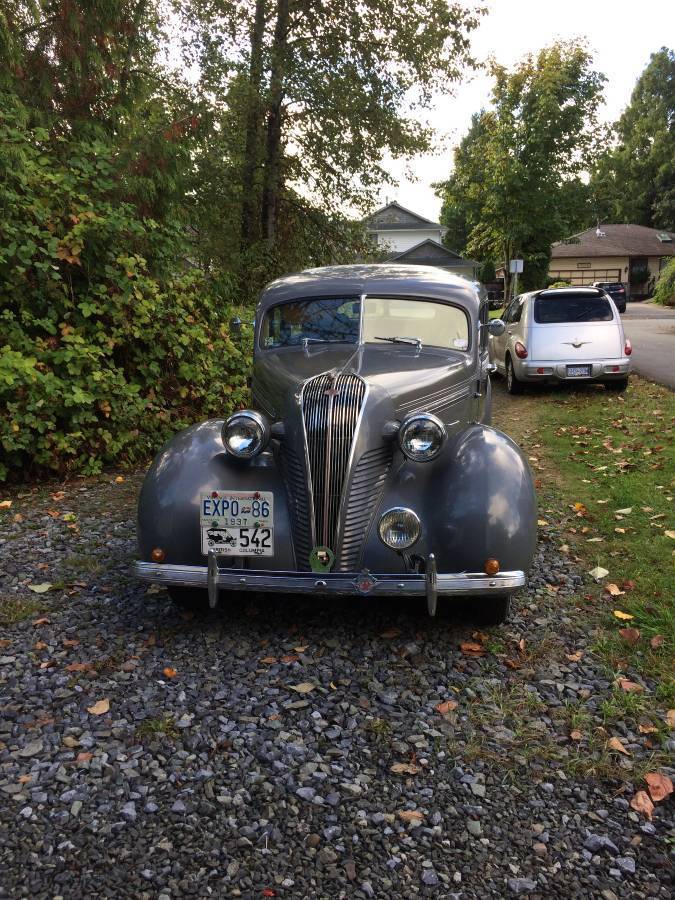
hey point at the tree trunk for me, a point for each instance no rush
(273, 181)
(249, 232)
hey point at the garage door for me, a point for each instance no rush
(578, 277)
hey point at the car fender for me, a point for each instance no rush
(195, 462)
(475, 501)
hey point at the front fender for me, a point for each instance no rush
(476, 501)
(194, 462)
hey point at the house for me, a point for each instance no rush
(632, 254)
(409, 238)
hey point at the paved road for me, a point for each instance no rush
(651, 330)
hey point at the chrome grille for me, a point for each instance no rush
(330, 407)
(293, 473)
(364, 497)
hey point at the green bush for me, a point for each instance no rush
(665, 286)
(104, 351)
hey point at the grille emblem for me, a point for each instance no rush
(576, 344)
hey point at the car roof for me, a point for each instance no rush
(383, 279)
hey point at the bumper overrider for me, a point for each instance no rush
(431, 584)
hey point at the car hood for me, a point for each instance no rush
(412, 378)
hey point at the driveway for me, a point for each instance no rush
(651, 329)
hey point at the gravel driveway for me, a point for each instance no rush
(210, 775)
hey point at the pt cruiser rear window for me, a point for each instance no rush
(559, 309)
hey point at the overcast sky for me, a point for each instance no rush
(621, 36)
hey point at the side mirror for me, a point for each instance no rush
(496, 327)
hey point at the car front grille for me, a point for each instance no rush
(330, 409)
(365, 492)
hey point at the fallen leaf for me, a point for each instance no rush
(405, 769)
(472, 649)
(58, 496)
(119, 479)
(670, 534)
(84, 756)
(446, 706)
(620, 530)
(576, 656)
(647, 728)
(598, 572)
(628, 584)
(391, 633)
(630, 687)
(630, 635)
(410, 815)
(542, 522)
(625, 617)
(39, 645)
(642, 803)
(595, 540)
(39, 588)
(5, 504)
(268, 660)
(303, 688)
(670, 718)
(43, 621)
(614, 590)
(576, 735)
(70, 741)
(660, 786)
(615, 744)
(290, 658)
(100, 707)
(48, 664)
(79, 667)
(301, 649)
(69, 642)
(624, 512)
(24, 779)
(168, 672)
(657, 641)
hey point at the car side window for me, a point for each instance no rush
(515, 310)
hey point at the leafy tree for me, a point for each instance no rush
(516, 186)
(323, 90)
(634, 180)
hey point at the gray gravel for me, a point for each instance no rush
(222, 781)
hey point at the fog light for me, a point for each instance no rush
(399, 528)
(491, 566)
(157, 555)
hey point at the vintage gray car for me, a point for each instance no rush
(367, 465)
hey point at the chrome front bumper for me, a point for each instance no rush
(216, 578)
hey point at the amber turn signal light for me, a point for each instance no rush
(491, 566)
(157, 555)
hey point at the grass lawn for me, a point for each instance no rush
(605, 469)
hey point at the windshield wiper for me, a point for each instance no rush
(316, 340)
(416, 342)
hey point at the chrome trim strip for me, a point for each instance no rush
(308, 471)
(465, 583)
(347, 484)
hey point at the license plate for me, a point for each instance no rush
(578, 371)
(237, 523)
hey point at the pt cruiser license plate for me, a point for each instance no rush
(578, 371)
(237, 523)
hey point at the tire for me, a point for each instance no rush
(490, 610)
(189, 598)
(513, 386)
(617, 386)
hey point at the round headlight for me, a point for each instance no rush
(245, 434)
(399, 528)
(421, 437)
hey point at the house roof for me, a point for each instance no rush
(616, 240)
(430, 253)
(393, 217)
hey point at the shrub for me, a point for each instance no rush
(665, 286)
(104, 351)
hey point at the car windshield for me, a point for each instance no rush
(415, 321)
(392, 320)
(324, 320)
(556, 310)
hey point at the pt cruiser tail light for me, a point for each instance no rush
(521, 350)
(627, 347)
